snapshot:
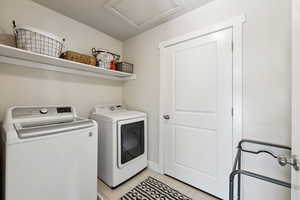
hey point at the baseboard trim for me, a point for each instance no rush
(153, 166)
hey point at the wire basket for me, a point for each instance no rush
(37, 41)
(125, 67)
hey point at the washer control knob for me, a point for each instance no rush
(44, 111)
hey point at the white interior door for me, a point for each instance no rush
(296, 97)
(198, 137)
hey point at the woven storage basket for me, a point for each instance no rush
(77, 57)
(38, 41)
(7, 39)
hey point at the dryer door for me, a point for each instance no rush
(131, 140)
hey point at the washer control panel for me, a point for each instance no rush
(21, 112)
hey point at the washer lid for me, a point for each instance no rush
(29, 130)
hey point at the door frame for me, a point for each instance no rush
(295, 44)
(236, 24)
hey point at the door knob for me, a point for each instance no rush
(167, 117)
(289, 160)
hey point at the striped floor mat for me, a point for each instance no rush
(152, 189)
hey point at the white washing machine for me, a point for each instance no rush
(122, 142)
(49, 153)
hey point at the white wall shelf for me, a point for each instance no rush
(19, 57)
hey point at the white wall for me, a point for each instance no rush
(267, 77)
(33, 87)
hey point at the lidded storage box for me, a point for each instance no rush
(38, 41)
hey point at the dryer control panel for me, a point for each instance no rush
(109, 108)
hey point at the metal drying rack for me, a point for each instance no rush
(238, 171)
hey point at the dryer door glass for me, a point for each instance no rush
(132, 141)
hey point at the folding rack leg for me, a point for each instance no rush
(239, 177)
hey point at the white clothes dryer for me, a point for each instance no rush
(122, 143)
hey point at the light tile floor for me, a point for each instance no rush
(114, 194)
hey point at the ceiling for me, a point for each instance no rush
(122, 19)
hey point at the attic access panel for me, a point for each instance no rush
(140, 13)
